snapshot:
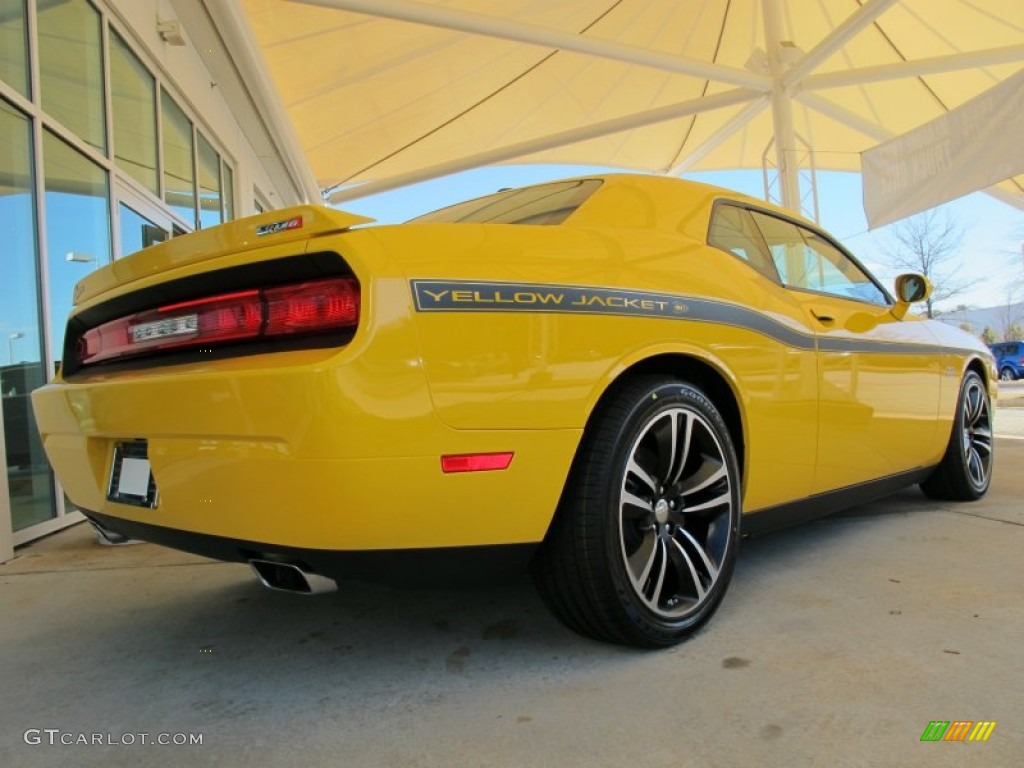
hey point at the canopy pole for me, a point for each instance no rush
(505, 29)
(723, 134)
(904, 69)
(782, 109)
(840, 36)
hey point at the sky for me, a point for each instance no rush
(991, 249)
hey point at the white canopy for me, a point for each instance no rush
(374, 94)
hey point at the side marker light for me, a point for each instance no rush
(476, 462)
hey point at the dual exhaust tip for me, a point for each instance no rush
(286, 577)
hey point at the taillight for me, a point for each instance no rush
(311, 306)
(319, 306)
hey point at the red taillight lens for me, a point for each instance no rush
(219, 318)
(305, 308)
(311, 306)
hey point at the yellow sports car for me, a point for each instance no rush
(612, 378)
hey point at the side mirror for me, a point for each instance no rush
(910, 288)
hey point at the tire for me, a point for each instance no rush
(643, 545)
(965, 472)
(1007, 374)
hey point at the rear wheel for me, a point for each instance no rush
(966, 469)
(1007, 374)
(643, 546)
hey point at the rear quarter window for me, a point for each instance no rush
(733, 230)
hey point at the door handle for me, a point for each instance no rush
(822, 318)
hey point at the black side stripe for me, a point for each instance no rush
(488, 296)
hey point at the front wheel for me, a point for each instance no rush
(643, 545)
(965, 471)
(1007, 374)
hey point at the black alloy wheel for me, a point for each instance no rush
(643, 546)
(966, 469)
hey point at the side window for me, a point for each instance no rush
(806, 260)
(733, 230)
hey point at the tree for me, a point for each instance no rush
(1011, 314)
(988, 336)
(928, 243)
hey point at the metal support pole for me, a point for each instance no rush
(782, 109)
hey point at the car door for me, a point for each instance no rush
(878, 376)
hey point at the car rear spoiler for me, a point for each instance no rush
(300, 222)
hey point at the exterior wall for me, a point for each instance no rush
(198, 88)
(69, 203)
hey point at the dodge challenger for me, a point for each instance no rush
(611, 379)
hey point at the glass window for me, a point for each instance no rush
(21, 356)
(13, 51)
(179, 170)
(229, 193)
(733, 230)
(541, 204)
(77, 227)
(138, 232)
(71, 68)
(209, 184)
(133, 101)
(806, 260)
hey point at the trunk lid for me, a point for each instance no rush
(272, 228)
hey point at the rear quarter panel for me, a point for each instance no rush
(499, 366)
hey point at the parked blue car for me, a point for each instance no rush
(1009, 359)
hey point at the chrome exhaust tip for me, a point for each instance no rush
(109, 538)
(286, 577)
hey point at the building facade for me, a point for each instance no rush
(122, 123)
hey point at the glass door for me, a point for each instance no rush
(140, 224)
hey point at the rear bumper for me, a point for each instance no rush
(255, 491)
(301, 453)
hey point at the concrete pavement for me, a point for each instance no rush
(839, 641)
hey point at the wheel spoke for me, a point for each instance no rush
(630, 499)
(712, 569)
(681, 554)
(668, 445)
(709, 473)
(640, 562)
(971, 407)
(723, 498)
(684, 454)
(660, 583)
(976, 467)
(635, 469)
